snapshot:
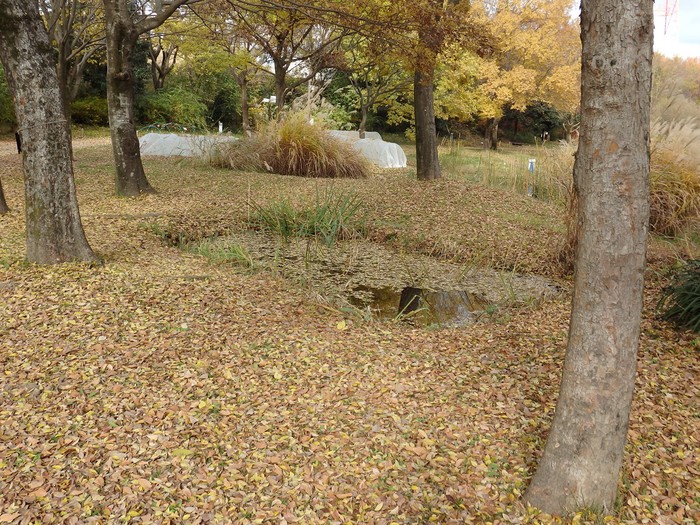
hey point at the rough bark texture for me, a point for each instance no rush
(121, 42)
(54, 231)
(4, 208)
(428, 165)
(584, 451)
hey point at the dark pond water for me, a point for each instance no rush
(419, 306)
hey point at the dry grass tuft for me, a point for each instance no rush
(675, 177)
(294, 147)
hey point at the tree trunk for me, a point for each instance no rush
(54, 231)
(584, 451)
(163, 61)
(245, 114)
(428, 165)
(4, 208)
(492, 134)
(121, 43)
(363, 121)
(280, 89)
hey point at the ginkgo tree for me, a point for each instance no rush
(536, 59)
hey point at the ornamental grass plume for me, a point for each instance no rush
(294, 146)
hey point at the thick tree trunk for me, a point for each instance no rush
(492, 134)
(584, 451)
(54, 231)
(4, 208)
(121, 42)
(428, 165)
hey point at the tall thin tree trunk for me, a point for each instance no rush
(4, 208)
(121, 43)
(583, 456)
(280, 89)
(54, 230)
(427, 162)
(492, 134)
(245, 114)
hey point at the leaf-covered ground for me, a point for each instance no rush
(162, 388)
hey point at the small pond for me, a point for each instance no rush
(371, 279)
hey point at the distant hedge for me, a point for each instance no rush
(91, 111)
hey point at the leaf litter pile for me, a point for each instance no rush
(164, 388)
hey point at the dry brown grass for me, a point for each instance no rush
(294, 147)
(675, 177)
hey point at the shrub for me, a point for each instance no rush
(176, 105)
(680, 301)
(90, 111)
(294, 147)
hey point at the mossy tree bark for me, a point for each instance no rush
(54, 230)
(122, 37)
(583, 455)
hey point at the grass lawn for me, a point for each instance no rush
(170, 386)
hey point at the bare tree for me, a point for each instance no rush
(583, 456)
(54, 230)
(126, 21)
(75, 29)
(293, 41)
(163, 58)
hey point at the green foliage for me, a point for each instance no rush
(217, 91)
(225, 106)
(218, 252)
(294, 147)
(174, 105)
(7, 110)
(681, 300)
(333, 217)
(91, 111)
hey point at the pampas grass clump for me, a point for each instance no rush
(675, 177)
(294, 147)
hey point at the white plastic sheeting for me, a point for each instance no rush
(352, 136)
(172, 145)
(374, 149)
(383, 154)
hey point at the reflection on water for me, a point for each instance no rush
(420, 307)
